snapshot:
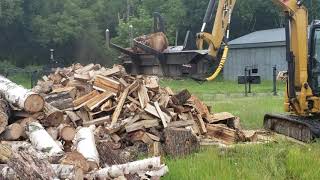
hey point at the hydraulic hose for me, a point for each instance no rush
(221, 64)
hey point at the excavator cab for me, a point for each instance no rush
(314, 58)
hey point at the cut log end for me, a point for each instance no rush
(34, 103)
(12, 132)
(67, 133)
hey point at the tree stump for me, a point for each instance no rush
(180, 142)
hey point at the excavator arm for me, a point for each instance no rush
(220, 32)
(302, 90)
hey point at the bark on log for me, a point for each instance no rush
(17, 145)
(54, 116)
(85, 144)
(108, 155)
(129, 168)
(181, 97)
(68, 172)
(13, 132)
(5, 113)
(21, 97)
(76, 159)
(158, 173)
(61, 101)
(24, 122)
(53, 132)
(180, 142)
(25, 165)
(42, 141)
(62, 172)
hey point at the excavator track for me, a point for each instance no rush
(305, 129)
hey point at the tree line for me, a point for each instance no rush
(75, 28)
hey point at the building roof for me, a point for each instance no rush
(264, 38)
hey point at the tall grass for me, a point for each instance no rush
(280, 160)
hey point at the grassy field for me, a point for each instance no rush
(279, 160)
(218, 87)
(23, 79)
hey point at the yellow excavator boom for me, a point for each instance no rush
(220, 32)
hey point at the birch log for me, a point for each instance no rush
(21, 97)
(42, 141)
(158, 173)
(26, 165)
(61, 171)
(129, 168)
(85, 143)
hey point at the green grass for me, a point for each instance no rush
(23, 79)
(250, 109)
(217, 87)
(278, 160)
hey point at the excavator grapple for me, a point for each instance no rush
(305, 129)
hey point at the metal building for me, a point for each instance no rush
(261, 49)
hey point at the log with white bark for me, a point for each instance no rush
(68, 171)
(85, 144)
(20, 97)
(13, 132)
(5, 113)
(129, 168)
(42, 141)
(158, 173)
(61, 171)
(17, 145)
(25, 164)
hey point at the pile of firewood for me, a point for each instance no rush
(94, 122)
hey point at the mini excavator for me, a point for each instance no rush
(302, 93)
